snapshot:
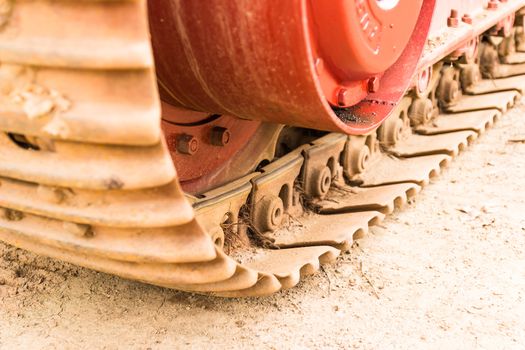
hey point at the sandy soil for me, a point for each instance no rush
(447, 272)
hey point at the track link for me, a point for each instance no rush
(87, 178)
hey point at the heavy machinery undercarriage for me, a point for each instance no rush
(231, 147)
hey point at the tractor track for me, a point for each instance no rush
(75, 190)
(430, 263)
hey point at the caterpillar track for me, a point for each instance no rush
(88, 176)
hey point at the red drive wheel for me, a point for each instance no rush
(335, 65)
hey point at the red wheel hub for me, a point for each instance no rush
(361, 42)
(257, 59)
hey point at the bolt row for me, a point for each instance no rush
(189, 144)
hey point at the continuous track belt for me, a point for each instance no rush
(85, 176)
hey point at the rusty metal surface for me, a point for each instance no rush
(335, 230)
(117, 107)
(157, 207)
(87, 166)
(478, 121)
(444, 39)
(421, 145)
(64, 34)
(384, 199)
(499, 100)
(391, 170)
(115, 204)
(496, 85)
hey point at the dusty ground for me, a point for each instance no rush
(447, 272)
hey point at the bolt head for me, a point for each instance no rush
(187, 144)
(373, 85)
(452, 22)
(219, 136)
(342, 97)
(466, 19)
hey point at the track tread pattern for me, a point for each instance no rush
(79, 188)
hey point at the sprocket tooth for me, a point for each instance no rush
(487, 86)
(384, 199)
(421, 145)
(388, 170)
(338, 230)
(77, 34)
(288, 265)
(243, 278)
(87, 166)
(291, 280)
(478, 121)
(266, 285)
(282, 269)
(498, 100)
(86, 175)
(158, 207)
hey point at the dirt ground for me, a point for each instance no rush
(446, 272)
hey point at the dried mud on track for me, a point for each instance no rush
(447, 272)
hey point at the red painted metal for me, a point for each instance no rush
(204, 154)
(337, 65)
(271, 60)
(354, 42)
(477, 17)
(209, 156)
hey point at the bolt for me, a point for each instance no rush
(219, 136)
(342, 97)
(453, 21)
(466, 18)
(373, 84)
(493, 5)
(187, 144)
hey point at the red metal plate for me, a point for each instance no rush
(202, 144)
